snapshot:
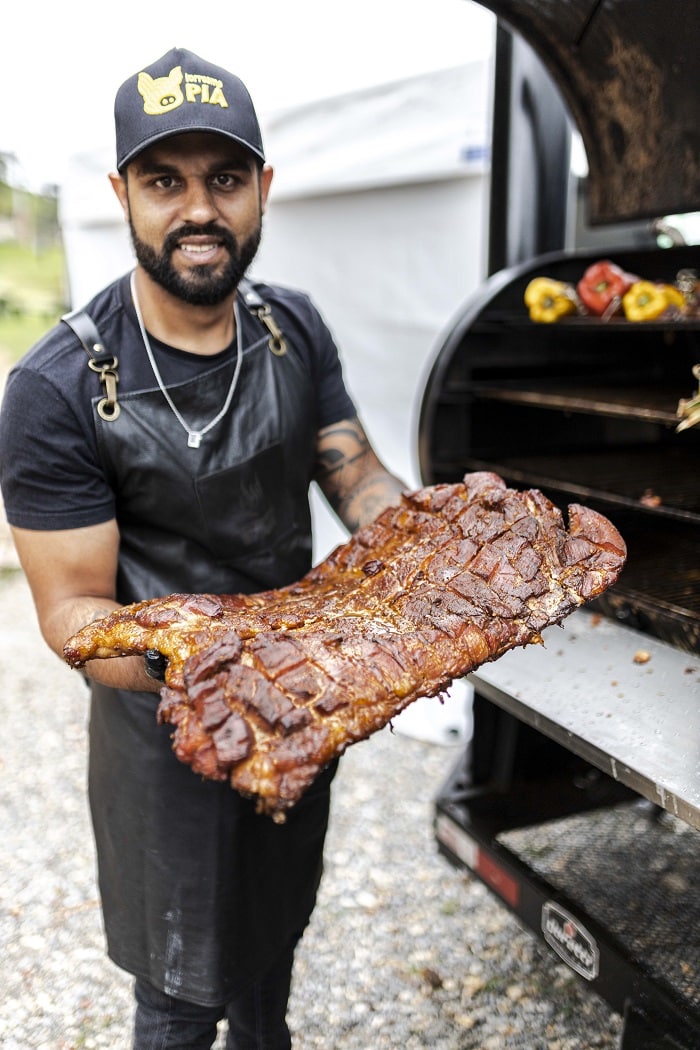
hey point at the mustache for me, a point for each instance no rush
(210, 229)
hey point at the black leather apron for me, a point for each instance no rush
(200, 894)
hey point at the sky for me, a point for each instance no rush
(63, 63)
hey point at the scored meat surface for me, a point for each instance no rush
(264, 690)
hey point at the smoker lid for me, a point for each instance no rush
(627, 70)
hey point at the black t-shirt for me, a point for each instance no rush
(50, 471)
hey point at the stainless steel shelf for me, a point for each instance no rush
(637, 722)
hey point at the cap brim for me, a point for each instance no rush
(173, 133)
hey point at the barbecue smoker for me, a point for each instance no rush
(578, 799)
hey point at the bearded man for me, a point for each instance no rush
(164, 440)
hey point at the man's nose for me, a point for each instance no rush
(198, 203)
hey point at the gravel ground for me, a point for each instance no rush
(403, 951)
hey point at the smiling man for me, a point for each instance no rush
(164, 440)
(222, 189)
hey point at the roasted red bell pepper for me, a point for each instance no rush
(602, 286)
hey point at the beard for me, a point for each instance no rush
(203, 285)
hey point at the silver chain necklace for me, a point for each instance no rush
(194, 437)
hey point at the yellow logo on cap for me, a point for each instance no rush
(162, 94)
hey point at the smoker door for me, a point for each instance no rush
(627, 71)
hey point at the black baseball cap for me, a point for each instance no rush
(182, 92)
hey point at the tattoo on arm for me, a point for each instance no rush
(370, 498)
(342, 448)
(354, 481)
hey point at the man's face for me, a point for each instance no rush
(194, 204)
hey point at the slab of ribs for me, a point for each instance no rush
(264, 690)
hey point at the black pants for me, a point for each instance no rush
(256, 1017)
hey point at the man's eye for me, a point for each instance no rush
(165, 181)
(225, 180)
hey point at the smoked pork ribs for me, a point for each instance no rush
(264, 690)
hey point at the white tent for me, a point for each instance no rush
(378, 208)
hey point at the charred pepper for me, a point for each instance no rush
(646, 300)
(602, 287)
(547, 300)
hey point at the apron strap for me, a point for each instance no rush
(263, 312)
(100, 361)
(105, 363)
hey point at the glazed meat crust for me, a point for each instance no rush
(264, 690)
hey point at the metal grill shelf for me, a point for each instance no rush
(652, 405)
(617, 477)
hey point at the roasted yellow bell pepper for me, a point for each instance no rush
(547, 300)
(646, 301)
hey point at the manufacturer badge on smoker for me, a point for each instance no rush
(570, 940)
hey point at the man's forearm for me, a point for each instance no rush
(121, 672)
(373, 495)
(354, 481)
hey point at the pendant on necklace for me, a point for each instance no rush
(194, 439)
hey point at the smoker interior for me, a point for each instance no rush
(586, 411)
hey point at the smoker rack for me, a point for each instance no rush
(586, 411)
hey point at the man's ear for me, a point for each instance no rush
(119, 187)
(265, 180)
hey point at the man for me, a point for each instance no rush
(187, 470)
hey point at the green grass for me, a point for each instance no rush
(32, 295)
(18, 334)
